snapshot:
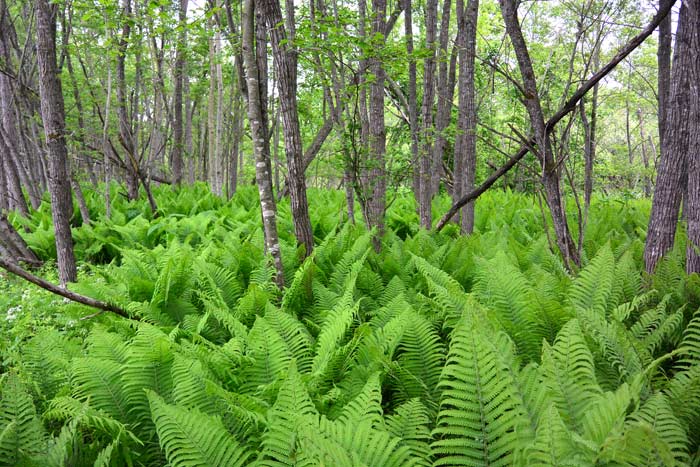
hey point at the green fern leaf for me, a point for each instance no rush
(190, 438)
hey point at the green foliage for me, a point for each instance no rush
(436, 351)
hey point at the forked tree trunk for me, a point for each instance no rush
(286, 65)
(258, 131)
(52, 113)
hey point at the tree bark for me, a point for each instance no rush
(258, 131)
(425, 193)
(286, 66)
(692, 204)
(13, 246)
(675, 148)
(377, 132)
(663, 57)
(178, 77)
(465, 141)
(550, 169)
(53, 116)
(445, 95)
(412, 95)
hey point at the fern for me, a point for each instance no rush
(21, 434)
(190, 438)
(479, 416)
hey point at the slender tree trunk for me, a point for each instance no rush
(52, 113)
(259, 135)
(424, 193)
(286, 63)
(178, 77)
(412, 96)
(692, 204)
(645, 153)
(377, 132)
(663, 55)
(674, 149)
(550, 169)
(445, 94)
(465, 141)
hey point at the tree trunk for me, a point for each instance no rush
(445, 94)
(12, 245)
(424, 192)
(465, 141)
(377, 132)
(259, 135)
(412, 95)
(663, 55)
(52, 113)
(550, 168)
(692, 204)
(178, 77)
(675, 147)
(286, 65)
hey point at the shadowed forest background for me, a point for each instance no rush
(329, 232)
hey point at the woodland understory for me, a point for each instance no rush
(349, 233)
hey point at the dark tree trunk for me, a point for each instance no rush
(670, 182)
(465, 141)
(12, 245)
(663, 55)
(550, 169)
(286, 66)
(692, 204)
(52, 113)
(258, 131)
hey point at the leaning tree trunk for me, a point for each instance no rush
(286, 63)
(675, 147)
(551, 178)
(12, 246)
(258, 131)
(52, 113)
(465, 142)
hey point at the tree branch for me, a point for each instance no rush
(53, 288)
(568, 107)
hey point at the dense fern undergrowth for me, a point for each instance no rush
(440, 350)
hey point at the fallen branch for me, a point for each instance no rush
(65, 293)
(568, 107)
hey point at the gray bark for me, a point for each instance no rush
(258, 131)
(465, 141)
(53, 116)
(674, 150)
(286, 66)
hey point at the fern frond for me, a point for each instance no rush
(479, 416)
(21, 433)
(190, 438)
